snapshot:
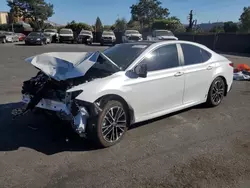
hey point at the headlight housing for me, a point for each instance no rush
(38, 39)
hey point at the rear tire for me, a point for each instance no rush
(110, 127)
(216, 92)
(101, 44)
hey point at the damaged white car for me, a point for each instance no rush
(101, 94)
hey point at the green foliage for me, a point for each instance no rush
(77, 27)
(98, 25)
(146, 11)
(173, 24)
(245, 19)
(120, 25)
(107, 27)
(33, 9)
(217, 29)
(230, 27)
(134, 25)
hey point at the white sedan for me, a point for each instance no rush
(102, 94)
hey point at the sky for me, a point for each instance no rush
(109, 10)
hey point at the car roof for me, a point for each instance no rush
(153, 44)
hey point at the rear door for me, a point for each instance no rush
(198, 70)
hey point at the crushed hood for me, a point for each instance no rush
(64, 65)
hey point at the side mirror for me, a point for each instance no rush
(141, 70)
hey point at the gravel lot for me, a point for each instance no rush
(198, 147)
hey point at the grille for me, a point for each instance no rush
(134, 38)
(107, 38)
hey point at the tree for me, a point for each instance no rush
(98, 25)
(230, 27)
(245, 19)
(120, 24)
(35, 10)
(192, 22)
(146, 11)
(133, 25)
(217, 29)
(173, 24)
(77, 27)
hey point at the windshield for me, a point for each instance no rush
(66, 32)
(34, 34)
(85, 33)
(108, 33)
(50, 30)
(132, 32)
(164, 33)
(124, 54)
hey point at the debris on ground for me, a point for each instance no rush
(242, 72)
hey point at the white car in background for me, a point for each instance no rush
(85, 37)
(131, 36)
(161, 35)
(102, 93)
(66, 35)
(108, 37)
(11, 37)
(53, 34)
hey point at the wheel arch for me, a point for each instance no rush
(103, 99)
(225, 81)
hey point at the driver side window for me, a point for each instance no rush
(162, 58)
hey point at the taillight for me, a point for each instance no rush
(231, 64)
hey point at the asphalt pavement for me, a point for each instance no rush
(197, 147)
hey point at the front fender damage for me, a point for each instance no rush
(43, 93)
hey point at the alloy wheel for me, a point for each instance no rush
(218, 91)
(114, 124)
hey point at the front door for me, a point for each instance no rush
(163, 87)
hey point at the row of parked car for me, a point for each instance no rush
(108, 37)
(84, 37)
(11, 37)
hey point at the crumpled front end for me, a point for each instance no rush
(50, 95)
(50, 88)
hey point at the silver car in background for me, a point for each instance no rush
(11, 37)
(108, 37)
(131, 36)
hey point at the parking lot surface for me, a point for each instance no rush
(197, 147)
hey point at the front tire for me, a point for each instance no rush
(111, 125)
(4, 41)
(216, 92)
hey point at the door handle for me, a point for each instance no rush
(209, 67)
(179, 73)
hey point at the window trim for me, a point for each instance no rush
(157, 47)
(183, 59)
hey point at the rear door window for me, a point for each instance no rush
(194, 54)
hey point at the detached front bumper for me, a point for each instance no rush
(78, 118)
(48, 104)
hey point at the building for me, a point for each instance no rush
(4, 17)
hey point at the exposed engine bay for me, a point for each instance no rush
(46, 93)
